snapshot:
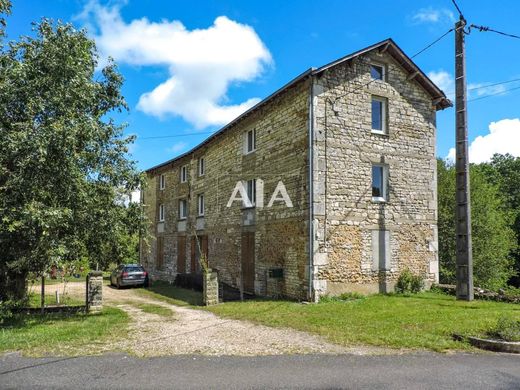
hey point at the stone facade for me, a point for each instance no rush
(319, 125)
(95, 291)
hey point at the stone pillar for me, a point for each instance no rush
(210, 288)
(94, 291)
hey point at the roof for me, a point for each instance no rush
(388, 45)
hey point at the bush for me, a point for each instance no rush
(507, 329)
(409, 283)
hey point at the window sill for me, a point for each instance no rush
(378, 199)
(380, 132)
(248, 208)
(182, 219)
(200, 216)
(250, 153)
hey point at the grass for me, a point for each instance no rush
(154, 309)
(169, 293)
(59, 334)
(50, 299)
(422, 321)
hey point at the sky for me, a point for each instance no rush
(190, 67)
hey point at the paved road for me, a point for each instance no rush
(409, 371)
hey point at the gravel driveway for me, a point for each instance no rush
(189, 331)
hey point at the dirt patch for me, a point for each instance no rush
(191, 331)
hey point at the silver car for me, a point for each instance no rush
(129, 275)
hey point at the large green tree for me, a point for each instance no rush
(64, 167)
(493, 238)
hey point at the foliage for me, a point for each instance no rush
(409, 283)
(507, 329)
(504, 171)
(425, 320)
(493, 238)
(64, 167)
(345, 297)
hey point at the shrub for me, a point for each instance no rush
(409, 283)
(507, 329)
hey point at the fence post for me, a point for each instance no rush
(210, 287)
(94, 291)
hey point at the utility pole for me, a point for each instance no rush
(463, 211)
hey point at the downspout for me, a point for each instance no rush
(311, 190)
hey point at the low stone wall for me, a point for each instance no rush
(481, 293)
(94, 298)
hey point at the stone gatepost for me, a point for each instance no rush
(94, 291)
(210, 287)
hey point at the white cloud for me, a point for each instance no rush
(178, 147)
(443, 80)
(431, 15)
(503, 137)
(202, 63)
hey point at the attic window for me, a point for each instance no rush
(377, 72)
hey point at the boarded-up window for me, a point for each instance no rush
(380, 250)
(181, 254)
(195, 252)
(248, 261)
(159, 261)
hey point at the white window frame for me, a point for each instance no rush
(162, 182)
(250, 148)
(383, 72)
(251, 191)
(183, 208)
(200, 205)
(184, 174)
(161, 213)
(384, 110)
(385, 175)
(201, 166)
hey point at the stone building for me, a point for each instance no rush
(339, 185)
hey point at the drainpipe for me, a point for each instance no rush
(311, 189)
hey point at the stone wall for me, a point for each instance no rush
(345, 149)
(281, 237)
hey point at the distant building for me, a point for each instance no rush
(353, 144)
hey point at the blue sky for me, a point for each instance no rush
(233, 53)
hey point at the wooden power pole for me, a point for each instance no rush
(463, 211)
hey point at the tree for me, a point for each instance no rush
(493, 238)
(504, 171)
(64, 170)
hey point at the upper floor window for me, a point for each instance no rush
(377, 72)
(184, 174)
(379, 109)
(202, 167)
(251, 191)
(250, 141)
(183, 209)
(379, 182)
(161, 213)
(162, 181)
(200, 207)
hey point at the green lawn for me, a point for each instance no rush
(423, 321)
(59, 334)
(169, 293)
(50, 299)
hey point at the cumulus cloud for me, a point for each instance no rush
(443, 80)
(202, 63)
(432, 15)
(178, 147)
(503, 137)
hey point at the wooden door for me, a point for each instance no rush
(248, 261)
(181, 254)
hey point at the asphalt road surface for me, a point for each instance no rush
(408, 371)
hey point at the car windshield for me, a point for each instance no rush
(134, 269)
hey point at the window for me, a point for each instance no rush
(201, 166)
(250, 141)
(184, 174)
(379, 182)
(200, 207)
(379, 115)
(161, 213)
(377, 72)
(162, 181)
(183, 209)
(380, 250)
(251, 191)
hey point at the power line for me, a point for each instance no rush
(433, 43)
(487, 85)
(175, 135)
(486, 29)
(494, 94)
(458, 9)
